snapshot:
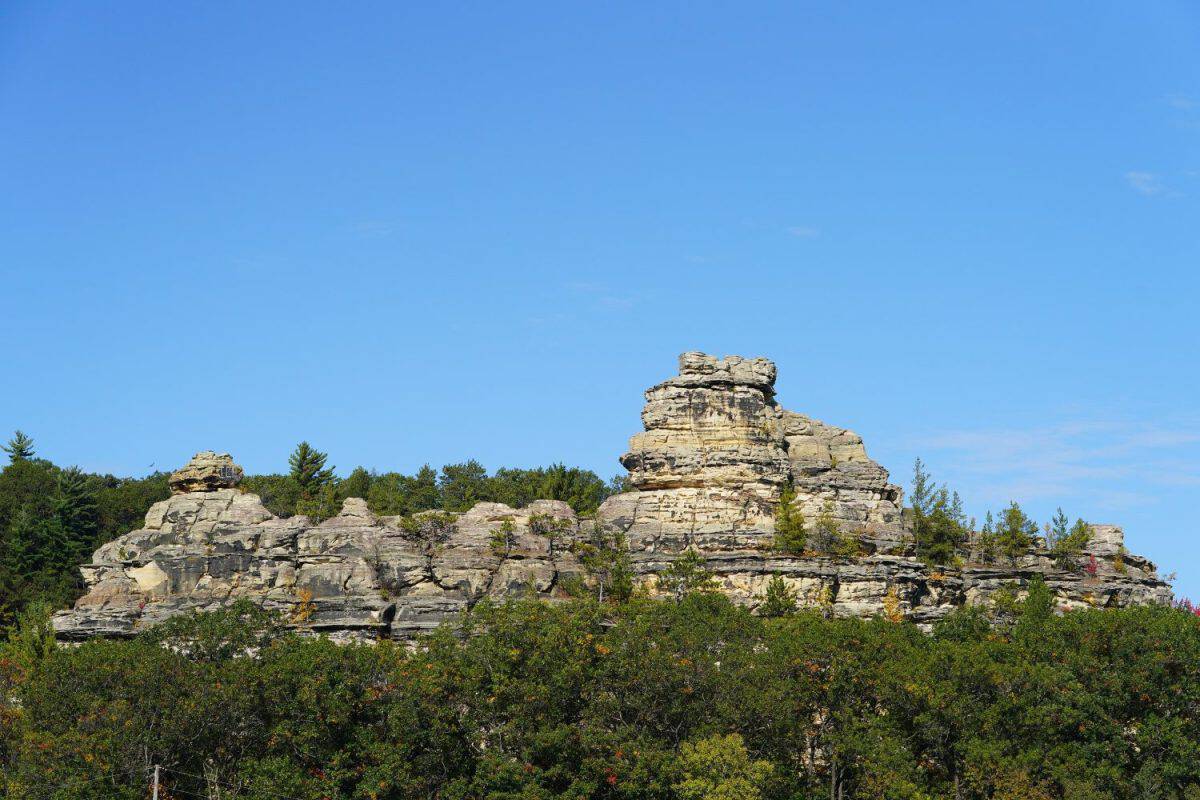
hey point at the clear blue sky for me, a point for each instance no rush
(431, 232)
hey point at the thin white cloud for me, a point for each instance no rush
(804, 231)
(1147, 183)
(373, 229)
(602, 297)
(1113, 463)
(1183, 102)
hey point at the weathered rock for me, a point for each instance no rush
(206, 472)
(708, 473)
(354, 575)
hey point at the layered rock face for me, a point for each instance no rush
(355, 575)
(717, 452)
(708, 473)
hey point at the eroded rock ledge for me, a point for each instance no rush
(707, 471)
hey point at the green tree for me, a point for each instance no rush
(688, 573)
(827, 532)
(19, 447)
(463, 485)
(308, 469)
(1070, 544)
(1015, 531)
(779, 600)
(1057, 530)
(939, 524)
(75, 508)
(605, 557)
(394, 493)
(357, 484)
(790, 535)
(322, 505)
(719, 768)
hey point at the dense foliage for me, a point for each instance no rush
(53, 518)
(689, 700)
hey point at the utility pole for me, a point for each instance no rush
(156, 782)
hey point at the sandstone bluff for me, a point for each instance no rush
(707, 473)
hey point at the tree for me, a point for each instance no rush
(688, 573)
(1015, 531)
(1057, 529)
(321, 505)
(779, 600)
(719, 768)
(75, 504)
(463, 485)
(308, 469)
(827, 532)
(939, 524)
(358, 484)
(19, 448)
(605, 558)
(790, 536)
(1069, 543)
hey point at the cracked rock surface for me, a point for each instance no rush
(708, 470)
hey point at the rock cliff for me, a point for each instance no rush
(707, 472)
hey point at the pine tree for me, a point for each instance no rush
(1071, 543)
(688, 573)
(1058, 529)
(308, 469)
(463, 485)
(1015, 531)
(423, 491)
(19, 448)
(75, 515)
(790, 536)
(357, 484)
(780, 599)
(939, 524)
(827, 533)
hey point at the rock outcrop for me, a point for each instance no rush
(206, 472)
(708, 473)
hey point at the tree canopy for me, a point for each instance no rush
(690, 700)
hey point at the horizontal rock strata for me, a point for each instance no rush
(707, 472)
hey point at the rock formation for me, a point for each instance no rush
(206, 472)
(707, 474)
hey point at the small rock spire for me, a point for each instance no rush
(206, 472)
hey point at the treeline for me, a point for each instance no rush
(310, 487)
(52, 518)
(691, 699)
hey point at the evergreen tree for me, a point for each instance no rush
(827, 532)
(790, 536)
(1058, 529)
(1070, 544)
(939, 524)
(1015, 531)
(75, 505)
(358, 484)
(463, 485)
(423, 491)
(779, 600)
(687, 574)
(308, 469)
(19, 448)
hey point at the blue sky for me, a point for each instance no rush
(431, 232)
